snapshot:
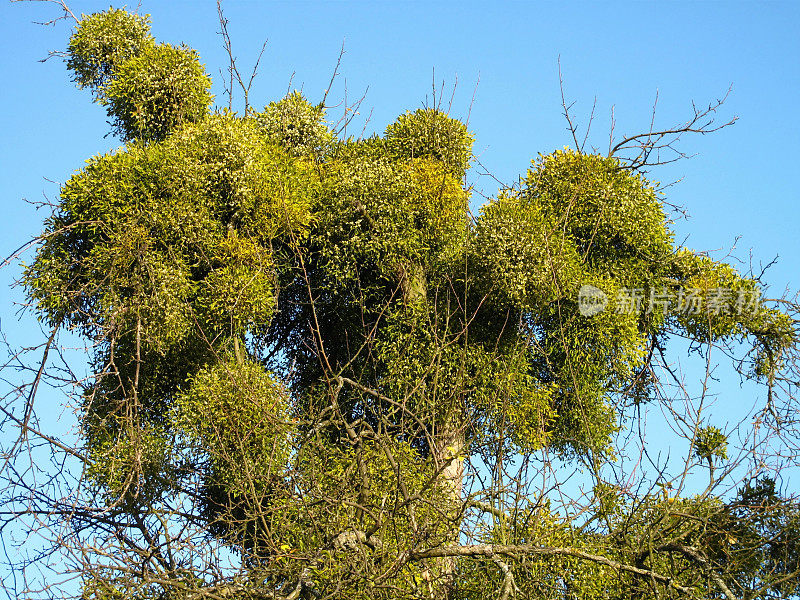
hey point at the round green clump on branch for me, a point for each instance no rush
(428, 132)
(297, 125)
(154, 92)
(103, 41)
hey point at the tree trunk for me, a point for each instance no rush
(450, 454)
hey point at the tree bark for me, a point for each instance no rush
(450, 454)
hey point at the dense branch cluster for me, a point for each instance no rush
(315, 374)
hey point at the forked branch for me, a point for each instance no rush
(659, 146)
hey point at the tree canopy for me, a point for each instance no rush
(315, 373)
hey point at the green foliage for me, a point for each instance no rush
(241, 411)
(428, 132)
(341, 490)
(613, 215)
(710, 443)
(577, 220)
(127, 462)
(375, 211)
(729, 305)
(240, 289)
(156, 91)
(310, 357)
(162, 254)
(297, 125)
(757, 532)
(148, 89)
(143, 234)
(102, 42)
(252, 184)
(442, 380)
(237, 415)
(541, 575)
(654, 533)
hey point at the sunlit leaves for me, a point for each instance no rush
(156, 91)
(297, 125)
(239, 410)
(710, 443)
(428, 132)
(304, 342)
(103, 41)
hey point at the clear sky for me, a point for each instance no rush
(743, 183)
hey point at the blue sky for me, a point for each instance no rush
(741, 185)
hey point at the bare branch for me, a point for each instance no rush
(67, 13)
(656, 142)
